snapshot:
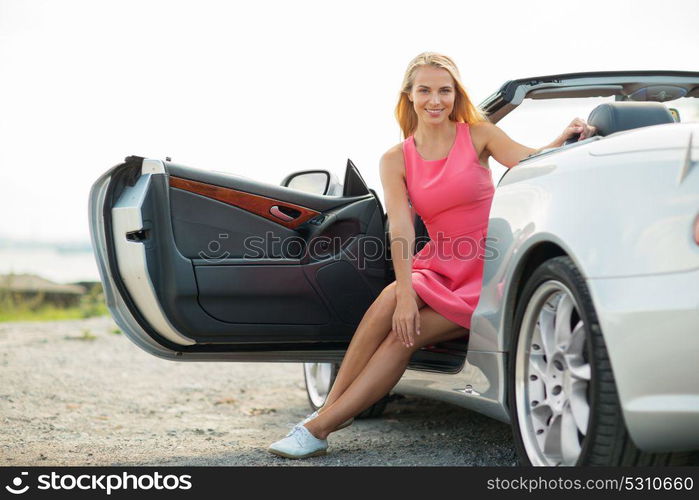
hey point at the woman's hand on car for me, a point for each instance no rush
(406, 318)
(579, 126)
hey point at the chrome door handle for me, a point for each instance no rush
(279, 214)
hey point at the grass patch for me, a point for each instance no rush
(17, 307)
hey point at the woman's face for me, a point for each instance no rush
(433, 94)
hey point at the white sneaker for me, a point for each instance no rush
(299, 443)
(308, 417)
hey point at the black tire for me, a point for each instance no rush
(607, 441)
(316, 400)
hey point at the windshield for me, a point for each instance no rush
(537, 122)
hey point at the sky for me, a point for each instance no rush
(263, 89)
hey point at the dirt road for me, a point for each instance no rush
(76, 393)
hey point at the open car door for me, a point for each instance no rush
(203, 265)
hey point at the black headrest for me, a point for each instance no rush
(613, 117)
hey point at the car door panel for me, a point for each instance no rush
(259, 294)
(207, 286)
(210, 230)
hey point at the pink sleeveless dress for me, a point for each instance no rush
(453, 197)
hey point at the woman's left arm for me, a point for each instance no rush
(509, 153)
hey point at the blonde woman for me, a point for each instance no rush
(441, 168)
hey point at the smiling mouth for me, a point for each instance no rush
(433, 111)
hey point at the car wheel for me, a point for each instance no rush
(563, 399)
(319, 378)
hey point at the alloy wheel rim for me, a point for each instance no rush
(318, 377)
(552, 377)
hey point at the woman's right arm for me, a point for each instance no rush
(406, 318)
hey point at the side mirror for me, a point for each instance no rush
(314, 181)
(675, 114)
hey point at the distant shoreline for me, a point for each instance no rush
(56, 264)
(29, 244)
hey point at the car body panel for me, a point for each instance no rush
(131, 255)
(561, 199)
(650, 326)
(479, 386)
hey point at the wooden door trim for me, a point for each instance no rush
(254, 203)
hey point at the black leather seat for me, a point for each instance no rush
(612, 117)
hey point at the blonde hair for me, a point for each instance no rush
(464, 110)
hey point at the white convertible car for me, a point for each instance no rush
(586, 337)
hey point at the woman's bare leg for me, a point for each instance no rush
(383, 371)
(372, 330)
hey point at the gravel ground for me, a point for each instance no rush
(76, 393)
